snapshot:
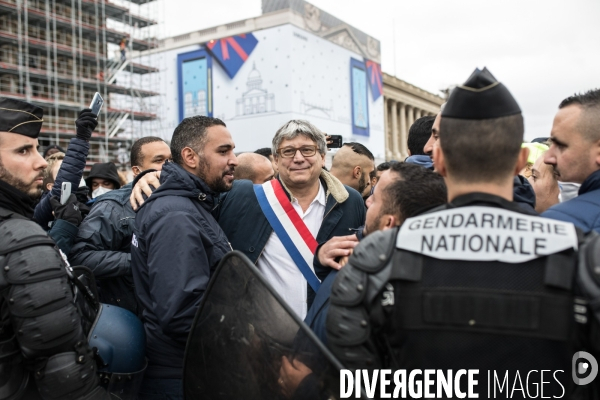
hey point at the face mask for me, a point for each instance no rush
(100, 191)
(568, 191)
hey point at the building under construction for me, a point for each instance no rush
(58, 53)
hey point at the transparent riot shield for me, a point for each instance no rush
(246, 343)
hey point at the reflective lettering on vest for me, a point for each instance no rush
(485, 234)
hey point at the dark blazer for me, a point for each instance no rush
(248, 230)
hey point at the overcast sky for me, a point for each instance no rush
(542, 51)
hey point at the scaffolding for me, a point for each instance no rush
(58, 53)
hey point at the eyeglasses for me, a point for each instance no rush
(289, 152)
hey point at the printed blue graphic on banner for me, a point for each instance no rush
(360, 99)
(195, 86)
(232, 52)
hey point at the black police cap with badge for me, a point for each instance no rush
(20, 117)
(480, 97)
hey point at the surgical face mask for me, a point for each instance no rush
(568, 191)
(100, 191)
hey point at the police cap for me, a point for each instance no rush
(20, 117)
(480, 97)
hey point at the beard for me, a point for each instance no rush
(216, 184)
(373, 227)
(31, 189)
(362, 184)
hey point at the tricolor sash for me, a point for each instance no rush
(289, 227)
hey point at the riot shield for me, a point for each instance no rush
(246, 343)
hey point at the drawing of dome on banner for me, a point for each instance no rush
(255, 100)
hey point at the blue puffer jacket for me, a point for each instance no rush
(583, 210)
(103, 245)
(176, 245)
(71, 170)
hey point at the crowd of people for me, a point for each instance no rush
(371, 257)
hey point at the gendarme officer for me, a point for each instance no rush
(43, 349)
(474, 285)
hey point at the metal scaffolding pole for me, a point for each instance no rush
(81, 92)
(54, 73)
(20, 40)
(26, 42)
(48, 56)
(74, 70)
(105, 93)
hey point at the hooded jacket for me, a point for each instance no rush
(422, 160)
(583, 210)
(176, 245)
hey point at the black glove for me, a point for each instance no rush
(86, 123)
(72, 211)
(82, 194)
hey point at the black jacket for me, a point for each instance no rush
(176, 246)
(103, 245)
(523, 194)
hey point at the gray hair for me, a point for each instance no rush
(296, 127)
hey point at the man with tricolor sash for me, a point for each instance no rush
(280, 225)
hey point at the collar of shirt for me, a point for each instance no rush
(321, 199)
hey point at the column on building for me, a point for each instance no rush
(395, 137)
(389, 133)
(402, 134)
(418, 114)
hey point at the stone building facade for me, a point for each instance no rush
(403, 104)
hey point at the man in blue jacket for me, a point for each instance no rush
(177, 244)
(575, 157)
(104, 237)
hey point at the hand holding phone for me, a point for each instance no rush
(96, 104)
(88, 118)
(65, 192)
(334, 141)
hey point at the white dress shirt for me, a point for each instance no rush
(279, 268)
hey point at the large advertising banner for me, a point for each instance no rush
(258, 81)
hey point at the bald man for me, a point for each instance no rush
(254, 167)
(352, 165)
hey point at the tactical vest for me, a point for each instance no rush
(40, 339)
(461, 289)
